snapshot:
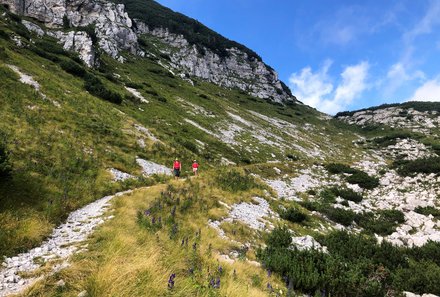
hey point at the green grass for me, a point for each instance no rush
(121, 263)
(59, 156)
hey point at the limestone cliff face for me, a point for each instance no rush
(116, 32)
(113, 27)
(237, 70)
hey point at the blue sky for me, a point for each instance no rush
(336, 55)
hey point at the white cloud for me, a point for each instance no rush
(405, 69)
(312, 87)
(429, 91)
(398, 75)
(317, 90)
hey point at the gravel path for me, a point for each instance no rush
(62, 243)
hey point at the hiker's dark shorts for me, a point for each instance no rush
(177, 172)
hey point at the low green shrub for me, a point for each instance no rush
(4, 34)
(280, 237)
(44, 54)
(233, 180)
(336, 168)
(5, 166)
(428, 252)
(355, 265)
(134, 85)
(357, 176)
(339, 215)
(95, 87)
(293, 215)
(420, 277)
(383, 222)
(310, 205)
(3, 54)
(393, 137)
(347, 194)
(73, 68)
(428, 210)
(411, 168)
(50, 46)
(327, 196)
(363, 180)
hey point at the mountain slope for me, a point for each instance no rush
(71, 134)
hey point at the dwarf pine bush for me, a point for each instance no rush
(383, 222)
(355, 265)
(428, 210)
(293, 215)
(233, 180)
(347, 194)
(96, 87)
(5, 166)
(357, 176)
(73, 68)
(425, 165)
(339, 215)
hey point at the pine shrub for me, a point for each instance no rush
(339, 215)
(428, 210)
(347, 194)
(73, 68)
(383, 222)
(5, 166)
(95, 87)
(363, 180)
(233, 180)
(293, 215)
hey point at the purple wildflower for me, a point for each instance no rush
(171, 281)
(220, 269)
(217, 283)
(269, 287)
(269, 273)
(153, 220)
(147, 212)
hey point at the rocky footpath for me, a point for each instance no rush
(64, 242)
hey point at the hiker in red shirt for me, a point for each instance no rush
(195, 167)
(177, 166)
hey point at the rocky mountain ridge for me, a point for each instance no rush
(114, 33)
(423, 117)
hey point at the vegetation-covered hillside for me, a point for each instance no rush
(288, 201)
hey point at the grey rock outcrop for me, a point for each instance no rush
(396, 117)
(237, 70)
(112, 25)
(115, 31)
(79, 42)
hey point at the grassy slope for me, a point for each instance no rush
(125, 259)
(60, 155)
